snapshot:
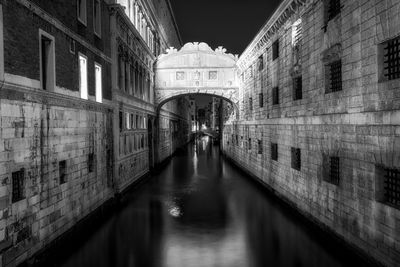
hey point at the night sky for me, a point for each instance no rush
(229, 23)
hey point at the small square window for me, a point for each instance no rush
(275, 95)
(180, 75)
(62, 171)
(212, 75)
(18, 178)
(296, 158)
(274, 151)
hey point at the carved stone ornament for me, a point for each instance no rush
(332, 54)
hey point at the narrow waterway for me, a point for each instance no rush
(201, 211)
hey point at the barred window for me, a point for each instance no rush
(275, 50)
(296, 158)
(180, 75)
(335, 76)
(392, 186)
(274, 151)
(333, 8)
(212, 75)
(261, 100)
(391, 63)
(331, 168)
(62, 170)
(297, 88)
(18, 178)
(275, 95)
(260, 146)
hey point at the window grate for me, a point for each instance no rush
(298, 88)
(334, 8)
(392, 186)
(334, 173)
(336, 76)
(18, 185)
(275, 95)
(274, 151)
(296, 158)
(392, 59)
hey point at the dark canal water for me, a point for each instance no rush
(202, 211)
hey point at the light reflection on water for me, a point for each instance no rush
(200, 211)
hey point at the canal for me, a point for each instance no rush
(200, 210)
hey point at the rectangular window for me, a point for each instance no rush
(334, 170)
(391, 60)
(297, 33)
(83, 80)
(82, 15)
(132, 119)
(297, 88)
(260, 147)
(180, 75)
(333, 8)
(249, 143)
(62, 168)
(260, 63)
(250, 103)
(97, 17)
(212, 75)
(99, 83)
(275, 50)
(91, 162)
(296, 158)
(274, 151)
(72, 46)
(18, 178)
(47, 61)
(127, 121)
(261, 100)
(334, 70)
(391, 186)
(275, 95)
(121, 121)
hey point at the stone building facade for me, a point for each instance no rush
(74, 129)
(319, 117)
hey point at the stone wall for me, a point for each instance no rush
(356, 126)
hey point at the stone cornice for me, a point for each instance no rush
(285, 10)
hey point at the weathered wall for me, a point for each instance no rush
(358, 124)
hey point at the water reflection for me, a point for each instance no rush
(200, 211)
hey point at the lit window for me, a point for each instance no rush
(127, 121)
(47, 61)
(99, 86)
(97, 17)
(297, 33)
(81, 4)
(83, 82)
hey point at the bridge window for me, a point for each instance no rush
(180, 75)
(296, 158)
(62, 171)
(297, 88)
(274, 151)
(275, 50)
(18, 178)
(212, 75)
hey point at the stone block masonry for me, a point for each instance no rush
(345, 122)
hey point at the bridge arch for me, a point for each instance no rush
(196, 69)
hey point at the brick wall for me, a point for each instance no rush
(359, 124)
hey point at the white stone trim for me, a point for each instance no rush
(53, 59)
(22, 81)
(1, 46)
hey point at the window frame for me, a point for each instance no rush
(98, 91)
(50, 77)
(84, 19)
(95, 22)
